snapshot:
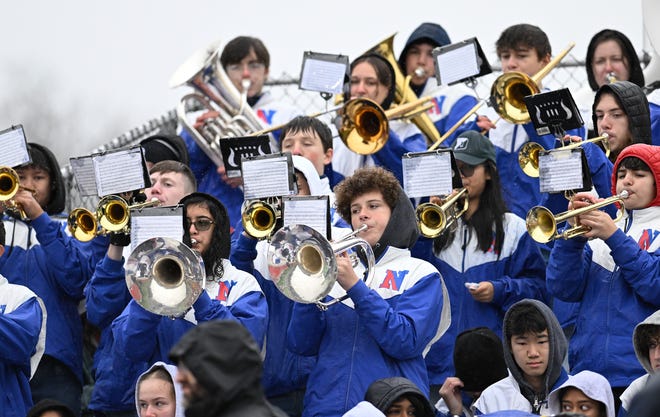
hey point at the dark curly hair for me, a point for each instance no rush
(220, 241)
(363, 181)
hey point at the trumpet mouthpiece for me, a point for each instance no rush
(420, 72)
(193, 241)
(624, 194)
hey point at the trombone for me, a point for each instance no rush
(542, 224)
(507, 95)
(433, 219)
(528, 156)
(112, 213)
(9, 186)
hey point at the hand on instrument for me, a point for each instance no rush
(601, 224)
(485, 124)
(451, 393)
(27, 202)
(580, 200)
(346, 276)
(202, 118)
(569, 138)
(232, 182)
(483, 293)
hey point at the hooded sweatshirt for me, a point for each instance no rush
(616, 282)
(178, 392)
(385, 392)
(642, 353)
(593, 385)
(40, 255)
(383, 329)
(226, 361)
(513, 392)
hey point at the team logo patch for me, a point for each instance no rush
(393, 279)
(647, 238)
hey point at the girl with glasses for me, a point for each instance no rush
(488, 260)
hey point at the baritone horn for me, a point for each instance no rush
(9, 186)
(165, 276)
(260, 217)
(542, 224)
(528, 156)
(112, 213)
(302, 264)
(433, 219)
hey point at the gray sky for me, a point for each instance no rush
(108, 63)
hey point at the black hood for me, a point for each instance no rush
(225, 359)
(633, 101)
(384, 392)
(558, 348)
(634, 67)
(165, 147)
(43, 158)
(426, 32)
(401, 231)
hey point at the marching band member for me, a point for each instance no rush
(490, 251)
(243, 58)
(385, 326)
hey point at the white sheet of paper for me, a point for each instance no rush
(14, 148)
(118, 172)
(156, 222)
(321, 75)
(310, 211)
(85, 175)
(458, 64)
(560, 171)
(427, 174)
(266, 177)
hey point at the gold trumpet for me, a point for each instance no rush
(507, 95)
(9, 186)
(542, 224)
(112, 213)
(528, 156)
(433, 219)
(260, 217)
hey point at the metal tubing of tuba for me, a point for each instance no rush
(528, 156)
(542, 224)
(302, 263)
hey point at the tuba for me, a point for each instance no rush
(165, 276)
(214, 92)
(403, 93)
(542, 224)
(302, 263)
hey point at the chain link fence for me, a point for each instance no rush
(569, 74)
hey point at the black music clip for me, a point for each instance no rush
(553, 112)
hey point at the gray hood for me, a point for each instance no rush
(558, 348)
(641, 351)
(178, 393)
(633, 101)
(401, 231)
(592, 384)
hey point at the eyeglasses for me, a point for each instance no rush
(200, 224)
(466, 170)
(251, 66)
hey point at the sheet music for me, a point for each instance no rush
(118, 172)
(310, 211)
(427, 174)
(560, 171)
(156, 222)
(267, 177)
(321, 75)
(85, 175)
(14, 147)
(457, 64)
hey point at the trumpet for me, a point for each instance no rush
(260, 217)
(528, 156)
(302, 263)
(542, 224)
(9, 186)
(433, 219)
(112, 214)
